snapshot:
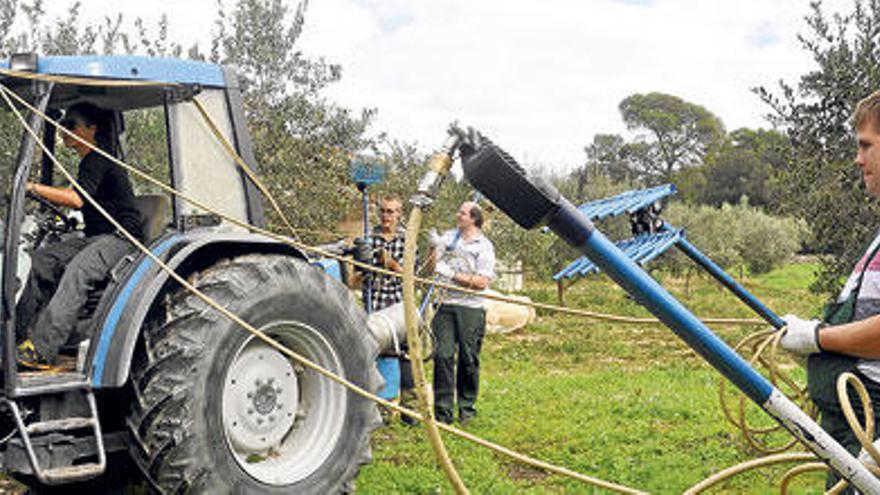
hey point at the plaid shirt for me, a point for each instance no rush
(385, 289)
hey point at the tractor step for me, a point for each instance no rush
(40, 429)
(69, 474)
(65, 424)
(39, 383)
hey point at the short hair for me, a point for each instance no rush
(476, 214)
(868, 111)
(92, 115)
(385, 198)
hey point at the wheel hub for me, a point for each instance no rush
(260, 398)
(265, 399)
(310, 410)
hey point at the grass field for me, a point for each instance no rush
(626, 403)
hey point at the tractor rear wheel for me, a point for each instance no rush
(217, 410)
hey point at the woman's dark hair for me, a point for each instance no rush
(477, 215)
(92, 115)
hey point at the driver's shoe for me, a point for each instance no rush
(30, 358)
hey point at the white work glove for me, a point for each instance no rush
(801, 336)
(435, 241)
(444, 270)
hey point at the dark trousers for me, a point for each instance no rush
(457, 330)
(58, 285)
(823, 369)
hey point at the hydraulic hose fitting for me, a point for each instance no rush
(438, 168)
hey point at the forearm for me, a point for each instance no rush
(394, 266)
(470, 280)
(57, 195)
(859, 338)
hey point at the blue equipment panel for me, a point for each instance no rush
(367, 172)
(330, 267)
(641, 249)
(389, 368)
(627, 202)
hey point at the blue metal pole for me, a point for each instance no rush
(427, 299)
(574, 227)
(532, 201)
(368, 276)
(727, 281)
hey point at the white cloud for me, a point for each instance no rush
(541, 78)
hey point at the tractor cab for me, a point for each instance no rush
(157, 129)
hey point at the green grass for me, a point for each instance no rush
(626, 403)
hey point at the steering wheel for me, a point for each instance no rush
(52, 222)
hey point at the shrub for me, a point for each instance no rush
(735, 236)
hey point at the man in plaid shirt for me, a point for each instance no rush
(387, 242)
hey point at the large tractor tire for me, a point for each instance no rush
(219, 411)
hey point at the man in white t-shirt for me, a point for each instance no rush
(465, 258)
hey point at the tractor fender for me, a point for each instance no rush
(121, 315)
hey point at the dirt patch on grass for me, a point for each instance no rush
(526, 473)
(524, 337)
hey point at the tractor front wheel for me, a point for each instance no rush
(220, 411)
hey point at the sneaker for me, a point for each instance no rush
(466, 419)
(30, 358)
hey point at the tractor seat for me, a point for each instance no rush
(153, 209)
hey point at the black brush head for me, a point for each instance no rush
(528, 201)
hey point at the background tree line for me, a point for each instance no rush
(801, 170)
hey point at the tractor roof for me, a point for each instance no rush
(113, 69)
(128, 67)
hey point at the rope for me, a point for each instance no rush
(84, 81)
(241, 163)
(758, 438)
(6, 93)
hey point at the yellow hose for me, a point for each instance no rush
(415, 349)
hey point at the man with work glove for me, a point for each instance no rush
(466, 258)
(847, 339)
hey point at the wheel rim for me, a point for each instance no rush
(282, 421)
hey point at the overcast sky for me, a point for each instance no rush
(539, 77)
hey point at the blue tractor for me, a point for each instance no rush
(157, 380)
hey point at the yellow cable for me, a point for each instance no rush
(84, 81)
(417, 362)
(747, 466)
(769, 339)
